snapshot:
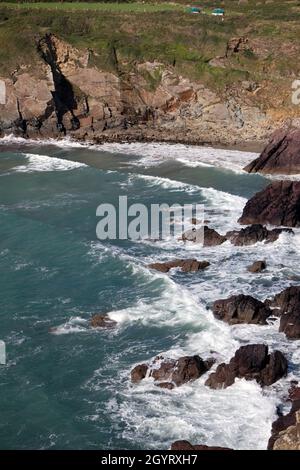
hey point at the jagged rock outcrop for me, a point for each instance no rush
(285, 434)
(66, 93)
(205, 235)
(253, 234)
(251, 362)
(287, 306)
(186, 445)
(186, 265)
(281, 155)
(170, 373)
(277, 204)
(241, 309)
(257, 267)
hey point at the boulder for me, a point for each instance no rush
(241, 309)
(280, 156)
(257, 267)
(277, 204)
(170, 373)
(251, 362)
(102, 321)
(253, 234)
(207, 236)
(139, 372)
(287, 305)
(187, 265)
(186, 445)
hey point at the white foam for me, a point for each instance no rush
(39, 163)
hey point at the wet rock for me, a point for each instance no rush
(280, 156)
(102, 321)
(188, 265)
(277, 204)
(169, 373)
(185, 445)
(241, 309)
(139, 372)
(283, 432)
(212, 237)
(257, 267)
(287, 305)
(253, 234)
(251, 362)
(205, 235)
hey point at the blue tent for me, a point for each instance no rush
(218, 12)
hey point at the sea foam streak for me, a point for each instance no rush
(38, 163)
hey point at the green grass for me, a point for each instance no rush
(133, 7)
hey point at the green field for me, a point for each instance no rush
(129, 7)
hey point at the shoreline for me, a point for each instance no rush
(250, 146)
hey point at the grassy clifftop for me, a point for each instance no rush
(138, 32)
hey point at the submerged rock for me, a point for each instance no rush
(280, 156)
(170, 373)
(251, 362)
(277, 204)
(241, 309)
(186, 445)
(257, 267)
(102, 321)
(253, 234)
(187, 265)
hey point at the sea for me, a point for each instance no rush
(66, 385)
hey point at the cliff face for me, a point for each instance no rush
(69, 96)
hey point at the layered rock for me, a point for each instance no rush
(251, 362)
(277, 204)
(66, 93)
(254, 234)
(170, 373)
(281, 155)
(186, 265)
(241, 309)
(186, 445)
(257, 267)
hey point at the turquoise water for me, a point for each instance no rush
(71, 390)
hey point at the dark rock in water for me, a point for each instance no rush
(195, 221)
(170, 373)
(257, 267)
(186, 445)
(212, 237)
(253, 234)
(186, 265)
(139, 372)
(287, 305)
(281, 155)
(207, 236)
(290, 323)
(241, 309)
(251, 362)
(277, 204)
(102, 321)
(283, 435)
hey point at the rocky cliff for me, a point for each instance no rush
(68, 95)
